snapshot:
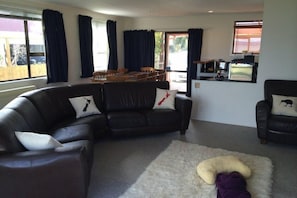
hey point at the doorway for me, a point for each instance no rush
(171, 54)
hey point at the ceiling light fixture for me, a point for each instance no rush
(210, 11)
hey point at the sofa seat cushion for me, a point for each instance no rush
(73, 133)
(283, 123)
(160, 117)
(126, 119)
(98, 124)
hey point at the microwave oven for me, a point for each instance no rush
(242, 72)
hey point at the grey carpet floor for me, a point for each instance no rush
(119, 162)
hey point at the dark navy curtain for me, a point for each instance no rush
(86, 45)
(55, 46)
(111, 27)
(139, 49)
(194, 54)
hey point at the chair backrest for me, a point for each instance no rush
(122, 70)
(147, 69)
(103, 74)
(161, 75)
(279, 87)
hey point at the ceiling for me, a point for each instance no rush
(150, 8)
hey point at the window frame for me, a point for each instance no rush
(159, 50)
(166, 47)
(257, 24)
(29, 54)
(175, 77)
(95, 22)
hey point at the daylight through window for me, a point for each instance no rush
(247, 37)
(171, 53)
(21, 39)
(100, 46)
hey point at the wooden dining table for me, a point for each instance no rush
(104, 77)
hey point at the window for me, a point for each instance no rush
(247, 37)
(21, 39)
(100, 45)
(171, 53)
(159, 50)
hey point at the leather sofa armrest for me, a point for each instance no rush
(44, 174)
(263, 109)
(184, 106)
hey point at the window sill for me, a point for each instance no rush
(38, 82)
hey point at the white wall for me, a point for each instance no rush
(279, 43)
(225, 102)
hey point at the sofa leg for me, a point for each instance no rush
(182, 132)
(263, 141)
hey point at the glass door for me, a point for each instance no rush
(176, 59)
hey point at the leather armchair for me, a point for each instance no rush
(276, 128)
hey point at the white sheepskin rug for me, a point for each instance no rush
(173, 174)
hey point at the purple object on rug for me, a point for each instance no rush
(231, 185)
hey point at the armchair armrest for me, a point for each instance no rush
(184, 106)
(44, 174)
(263, 110)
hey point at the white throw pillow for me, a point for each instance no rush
(284, 105)
(84, 106)
(35, 141)
(209, 168)
(165, 99)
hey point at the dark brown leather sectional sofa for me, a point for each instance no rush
(126, 110)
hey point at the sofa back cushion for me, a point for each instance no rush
(53, 102)
(29, 113)
(11, 121)
(121, 96)
(279, 87)
(93, 89)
